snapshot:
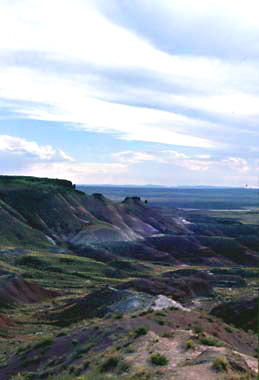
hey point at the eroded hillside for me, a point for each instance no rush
(51, 213)
(96, 289)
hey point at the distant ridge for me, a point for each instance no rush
(168, 186)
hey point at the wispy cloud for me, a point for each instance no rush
(68, 100)
(84, 98)
(179, 73)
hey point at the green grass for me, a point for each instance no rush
(65, 271)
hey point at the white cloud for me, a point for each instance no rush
(190, 162)
(164, 156)
(237, 164)
(76, 31)
(79, 172)
(169, 155)
(192, 171)
(228, 103)
(23, 157)
(130, 157)
(22, 147)
(65, 156)
(203, 156)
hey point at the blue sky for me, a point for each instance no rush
(130, 92)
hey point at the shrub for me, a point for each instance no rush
(160, 313)
(24, 376)
(82, 350)
(160, 322)
(159, 359)
(33, 262)
(129, 350)
(35, 359)
(197, 329)
(142, 330)
(24, 363)
(77, 371)
(210, 341)
(229, 329)
(168, 335)
(118, 316)
(47, 341)
(189, 344)
(123, 366)
(110, 364)
(220, 364)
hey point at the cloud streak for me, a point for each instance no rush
(193, 163)
(65, 100)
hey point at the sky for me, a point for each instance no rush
(130, 92)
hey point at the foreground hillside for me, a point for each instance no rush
(96, 289)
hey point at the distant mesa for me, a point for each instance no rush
(132, 199)
(98, 195)
(27, 180)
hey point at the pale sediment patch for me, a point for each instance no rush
(163, 302)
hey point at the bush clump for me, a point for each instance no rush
(220, 364)
(197, 329)
(210, 341)
(117, 316)
(110, 364)
(142, 330)
(159, 359)
(45, 342)
(82, 350)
